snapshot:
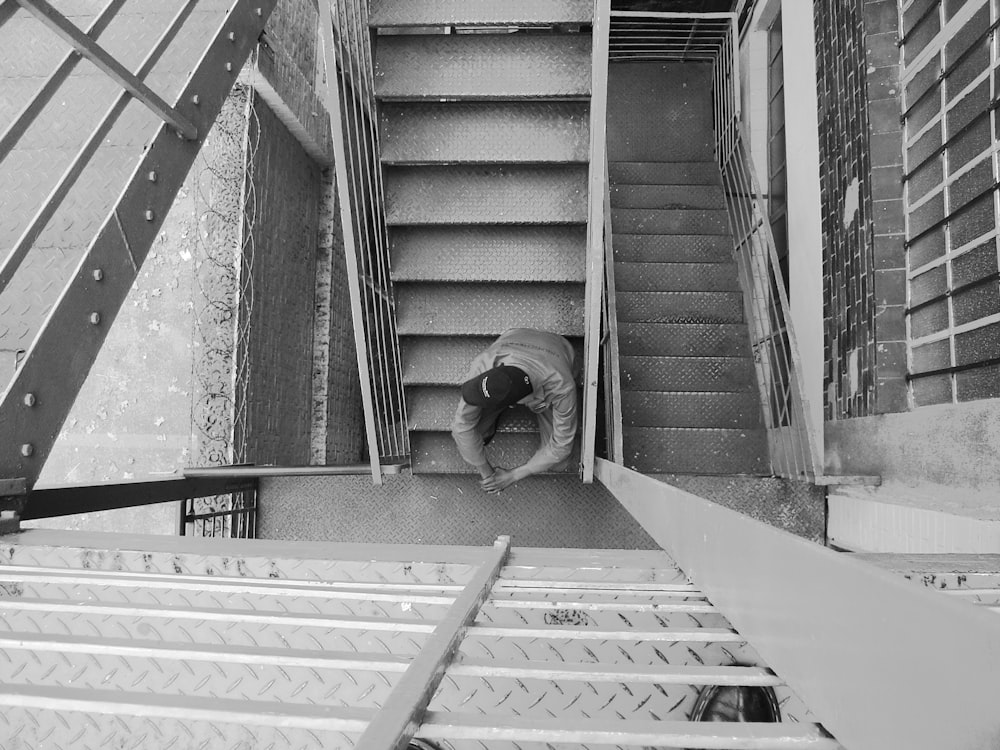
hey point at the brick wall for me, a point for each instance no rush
(861, 184)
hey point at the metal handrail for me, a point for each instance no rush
(612, 365)
(791, 439)
(595, 232)
(350, 99)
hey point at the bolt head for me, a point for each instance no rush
(150, 215)
(98, 274)
(29, 399)
(229, 67)
(95, 318)
(231, 36)
(260, 11)
(27, 449)
(152, 176)
(195, 100)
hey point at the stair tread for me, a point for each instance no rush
(683, 339)
(485, 132)
(670, 221)
(733, 410)
(489, 253)
(432, 408)
(675, 277)
(464, 194)
(680, 307)
(479, 12)
(717, 374)
(696, 450)
(677, 248)
(667, 196)
(488, 309)
(483, 66)
(664, 173)
(438, 360)
(435, 452)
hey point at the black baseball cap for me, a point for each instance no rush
(501, 386)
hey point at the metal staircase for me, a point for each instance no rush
(689, 401)
(484, 123)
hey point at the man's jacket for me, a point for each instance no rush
(547, 358)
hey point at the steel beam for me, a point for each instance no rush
(71, 499)
(90, 49)
(45, 387)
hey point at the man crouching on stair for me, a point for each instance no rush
(523, 366)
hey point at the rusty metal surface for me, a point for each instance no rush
(483, 132)
(479, 12)
(476, 66)
(119, 247)
(488, 310)
(486, 195)
(680, 307)
(485, 253)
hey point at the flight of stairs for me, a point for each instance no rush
(689, 397)
(484, 147)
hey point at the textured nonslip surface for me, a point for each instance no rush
(677, 248)
(684, 339)
(676, 106)
(655, 172)
(486, 195)
(433, 407)
(732, 374)
(676, 277)
(444, 360)
(680, 307)
(669, 221)
(479, 12)
(661, 196)
(483, 66)
(484, 132)
(488, 253)
(696, 451)
(435, 452)
(543, 511)
(688, 409)
(488, 310)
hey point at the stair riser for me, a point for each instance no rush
(487, 132)
(483, 66)
(708, 374)
(669, 221)
(680, 307)
(486, 195)
(652, 450)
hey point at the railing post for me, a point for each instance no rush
(595, 232)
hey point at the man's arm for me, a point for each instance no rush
(464, 430)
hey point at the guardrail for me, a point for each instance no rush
(350, 99)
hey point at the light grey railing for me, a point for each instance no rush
(791, 442)
(350, 99)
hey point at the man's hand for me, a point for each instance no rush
(501, 480)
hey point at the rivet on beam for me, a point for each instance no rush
(229, 67)
(95, 318)
(27, 449)
(196, 100)
(231, 36)
(151, 176)
(29, 399)
(260, 12)
(98, 274)
(150, 215)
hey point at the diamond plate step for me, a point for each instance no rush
(679, 248)
(489, 253)
(483, 132)
(696, 451)
(486, 195)
(669, 221)
(684, 339)
(676, 277)
(664, 173)
(686, 409)
(479, 12)
(435, 453)
(667, 196)
(432, 408)
(483, 66)
(703, 374)
(435, 360)
(488, 310)
(680, 307)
